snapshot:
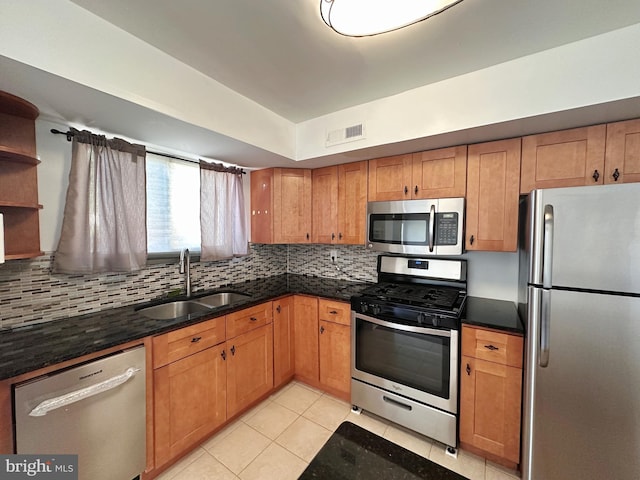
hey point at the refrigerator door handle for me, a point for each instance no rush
(547, 246)
(545, 327)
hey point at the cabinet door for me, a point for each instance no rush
(622, 158)
(352, 203)
(335, 358)
(292, 205)
(490, 405)
(305, 329)
(283, 342)
(567, 158)
(440, 173)
(249, 368)
(325, 204)
(262, 206)
(390, 178)
(189, 401)
(493, 171)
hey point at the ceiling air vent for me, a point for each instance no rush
(344, 135)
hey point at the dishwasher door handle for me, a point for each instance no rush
(72, 397)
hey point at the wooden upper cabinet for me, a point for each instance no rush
(390, 178)
(339, 203)
(352, 202)
(440, 173)
(292, 205)
(281, 205)
(493, 172)
(19, 178)
(325, 204)
(567, 158)
(622, 158)
(262, 206)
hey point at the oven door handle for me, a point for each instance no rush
(404, 328)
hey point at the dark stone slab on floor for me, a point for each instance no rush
(353, 453)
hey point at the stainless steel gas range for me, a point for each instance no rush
(405, 344)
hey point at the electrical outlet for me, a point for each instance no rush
(333, 255)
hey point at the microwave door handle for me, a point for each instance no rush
(432, 224)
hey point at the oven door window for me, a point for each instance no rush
(420, 361)
(399, 228)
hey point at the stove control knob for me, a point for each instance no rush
(375, 309)
(364, 307)
(436, 321)
(421, 318)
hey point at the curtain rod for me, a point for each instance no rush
(70, 134)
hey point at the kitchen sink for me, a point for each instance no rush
(181, 308)
(169, 311)
(222, 299)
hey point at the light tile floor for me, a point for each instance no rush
(278, 438)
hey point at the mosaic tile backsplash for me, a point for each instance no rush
(31, 293)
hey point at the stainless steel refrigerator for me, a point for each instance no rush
(580, 292)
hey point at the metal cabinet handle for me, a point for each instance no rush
(491, 347)
(595, 175)
(615, 175)
(321, 329)
(233, 350)
(406, 189)
(415, 190)
(307, 236)
(468, 369)
(471, 239)
(333, 312)
(223, 355)
(253, 319)
(278, 309)
(196, 339)
(333, 236)
(340, 236)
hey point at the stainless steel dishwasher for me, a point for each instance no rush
(95, 410)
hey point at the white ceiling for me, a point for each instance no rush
(281, 55)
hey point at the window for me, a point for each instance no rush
(173, 205)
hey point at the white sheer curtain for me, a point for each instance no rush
(222, 219)
(104, 224)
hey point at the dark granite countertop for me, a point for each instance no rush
(496, 314)
(30, 347)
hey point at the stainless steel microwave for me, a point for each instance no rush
(416, 227)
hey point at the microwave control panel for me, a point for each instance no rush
(446, 228)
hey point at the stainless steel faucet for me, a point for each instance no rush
(185, 263)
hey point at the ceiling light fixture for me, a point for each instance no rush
(360, 18)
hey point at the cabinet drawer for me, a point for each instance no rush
(186, 341)
(492, 346)
(248, 319)
(333, 311)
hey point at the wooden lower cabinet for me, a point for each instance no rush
(323, 344)
(491, 394)
(189, 400)
(335, 358)
(249, 368)
(305, 329)
(283, 341)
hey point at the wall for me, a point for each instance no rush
(30, 292)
